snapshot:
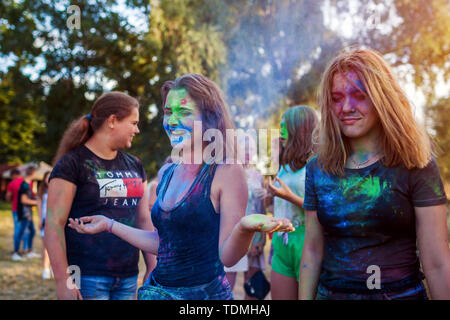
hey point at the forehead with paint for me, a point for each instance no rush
(180, 112)
(348, 85)
(347, 81)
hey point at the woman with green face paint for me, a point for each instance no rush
(297, 125)
(200, 207)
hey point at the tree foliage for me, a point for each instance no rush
(415, 33)
(440, 128)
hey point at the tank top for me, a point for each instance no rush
(188, 253)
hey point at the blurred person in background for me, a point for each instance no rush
(25, 203)
(42, 211)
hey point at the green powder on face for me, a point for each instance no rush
(283, 130)
(178, 99)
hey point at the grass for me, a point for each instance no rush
(5, 209)
(20, 280)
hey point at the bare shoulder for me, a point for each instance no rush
(230, 171)
(229, 176)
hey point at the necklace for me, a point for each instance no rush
(358, 165)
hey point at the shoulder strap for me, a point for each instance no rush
(165, 178)
(209, 173)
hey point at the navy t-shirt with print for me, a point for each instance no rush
(112, 188)
(368, 220)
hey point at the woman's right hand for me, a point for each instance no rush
(90, 224)
(63, 292)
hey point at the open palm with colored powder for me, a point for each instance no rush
(90, 224)
(264, 223)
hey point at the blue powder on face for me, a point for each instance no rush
(361, 86)
(179, 126)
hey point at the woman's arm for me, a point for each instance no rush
(60, 198)
(312, 256)
(147, 241)
(434, 251)
(285, 193)
(145, 223)
(237, 230)
(144, 240)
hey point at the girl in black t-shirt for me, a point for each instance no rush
(372, 192)
(92, 174)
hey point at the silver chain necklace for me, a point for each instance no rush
(358, 165)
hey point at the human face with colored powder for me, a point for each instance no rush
(180, 112)
(352, 107)
(283, 133)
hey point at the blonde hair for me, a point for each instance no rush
(403, 141)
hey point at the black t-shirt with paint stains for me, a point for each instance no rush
(112, 188)
(368, 219)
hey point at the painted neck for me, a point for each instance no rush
(366, 147)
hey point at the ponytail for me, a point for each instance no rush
(78, 132)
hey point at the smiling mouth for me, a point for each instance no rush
(349, 120)
(178, 132)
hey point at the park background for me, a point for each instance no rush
(266, 55)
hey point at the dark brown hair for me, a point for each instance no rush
(300, 123)
(80, 130)
(30, 170)
(209, 101)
